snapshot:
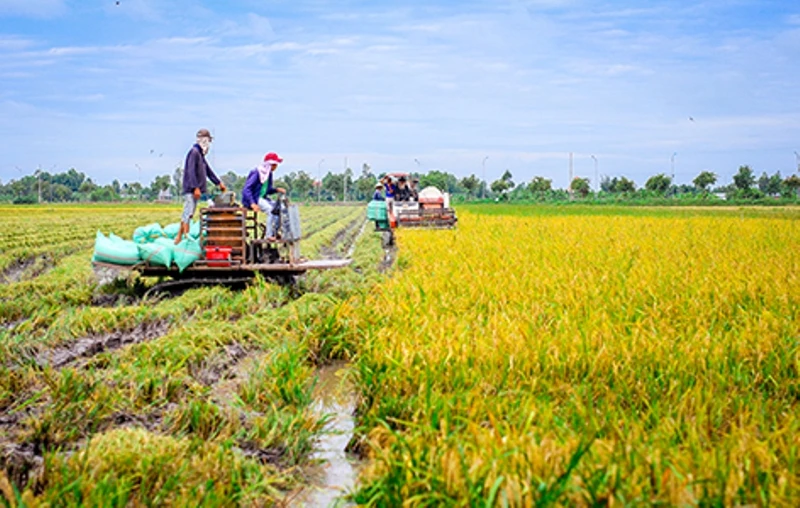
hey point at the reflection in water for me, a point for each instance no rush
(334, 395)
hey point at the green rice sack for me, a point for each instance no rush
(115, 250)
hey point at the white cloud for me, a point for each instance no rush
(33, 8)
(14, 43)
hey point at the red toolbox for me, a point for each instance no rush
(218, 256)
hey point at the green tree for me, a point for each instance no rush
(442, 180)
(471, 184)
(608, 184)
(744, 179)
(659, 184)
(625, 186)
(580, 186)
(704, 180)
(303, 185)
(235, 183)
(72, 179)
(87, 187)
(541, 185)
(617, 185)
(793, 183)
(332, 187)
(365, 184)
(61, 192)
(103, 194)
(501, 187)
(134, 190)
(160, 183)
(770, 185)
(508, 178)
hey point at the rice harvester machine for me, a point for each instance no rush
(234, 248)
(431, 209)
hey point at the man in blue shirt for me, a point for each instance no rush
(258, 188)
(195, 172)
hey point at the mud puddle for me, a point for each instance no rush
(91, 346)
(337, 471)
(220, 365)
(25, 269)
(11, 325)
(20, 462)
(389, 256)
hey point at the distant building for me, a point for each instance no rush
(165, 195)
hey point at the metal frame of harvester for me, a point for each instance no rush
(236, 230)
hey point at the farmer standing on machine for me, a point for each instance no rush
(258, 188)
(195, 172)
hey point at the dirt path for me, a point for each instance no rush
(90, 346)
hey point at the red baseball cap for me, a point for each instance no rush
(272, 158)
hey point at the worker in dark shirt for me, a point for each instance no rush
(195, 172)
(403, 193)
(257, 191)
(378, 196)
(414, 189)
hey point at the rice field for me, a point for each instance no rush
(108, 399)
(533, 356)
(537, 357)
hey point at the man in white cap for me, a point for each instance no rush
(258, 188)
(195, 172)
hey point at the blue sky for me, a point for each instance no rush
(104, 87)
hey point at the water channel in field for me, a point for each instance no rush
(336, 473)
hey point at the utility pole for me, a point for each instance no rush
(319, 178)
(344, 181)
(596, 175)
(569, 186)
(39, 177)
(483, 190)
(52, 173)
(672, 166)
(140, 180)
(797, 157)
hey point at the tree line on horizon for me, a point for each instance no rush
(75, 186)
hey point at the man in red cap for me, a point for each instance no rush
(195, 172)
(258, 188)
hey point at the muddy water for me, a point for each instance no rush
(336, 474)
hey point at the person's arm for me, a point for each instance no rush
(213, 177)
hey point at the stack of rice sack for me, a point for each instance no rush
(151, 244)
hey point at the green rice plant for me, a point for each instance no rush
(133, 466)
(201, 419)
(280, 379)
(77, 408)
